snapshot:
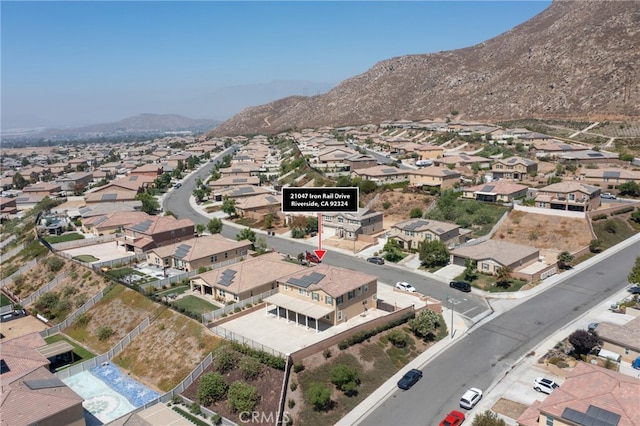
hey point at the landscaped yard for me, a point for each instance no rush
(71, 236)
(87, 258)
(195, 305)
(80, 354)
(4, 300)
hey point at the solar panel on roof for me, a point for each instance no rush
(316, 277)
(229, 272)
(595, 416)
(133, 178)
(611, 174)
(181, 251)
(512, 160)
(487, 188)
(271, 199)
(418, 223)
(244, 190)
(44, 384)
(594, 154)
(388, 170)
(109, 197)
(142, 226)
(240, 180)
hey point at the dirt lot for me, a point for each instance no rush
(550, 234)
(21, 326)
(400, 204)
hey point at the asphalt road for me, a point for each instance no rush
(492, 348)
(467, 304)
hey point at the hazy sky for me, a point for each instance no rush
(72, 63)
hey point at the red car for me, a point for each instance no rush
(454, 418)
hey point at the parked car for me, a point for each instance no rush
(311, 257)
(544, 385)
(454, 418)
(634, 290)
(410, 378)
(470, 398)
(460, 285)
(592, 326)
(401, 285)
(377, 260)
(177, 185)
(607, 196)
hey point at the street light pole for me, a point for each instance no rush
(450, 300)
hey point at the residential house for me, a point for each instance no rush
(495, 192)
(198, 252)
(410, 233)
(240, 192)
(435, 177)
(46, 189)
(75, 181)
(609, 176)
(324, 293)
(34, 173)
(27, 201)
(155, 231)
(382, 174)
(568, 195)
(110, 223)
(120, 190)
(462, 160)
(554, 148)
(588, 156)
(151, 170)
(430, 152)
(8, 207)
(100, 209)
(590, 395)
(244, 279)
(233, 181)
(360, 161)
(334, 157)
(240, 169)
(622, 339)
(514, 168)
(258, 206)
(350, 225)
(492, 255)
(30, 394)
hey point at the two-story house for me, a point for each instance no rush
(514, 168)
(198, 252)
(350, 225)
(435, 177)
(430, 152)
(155, 231)
(568, 195)
(241, 169)
(495, 192)
(410, 233)
(324, 293)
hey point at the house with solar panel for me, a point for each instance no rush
(233, 181)
(258, 206)
(554, 148)
(570, 196)
(349, 225)
(463, 161)
(198, 252)
(120, 190)
(496, 192)
(323, 294)
(609, 176)
(589, 156)
(333, 158)
(590, 395)
(382, 174)
(155, 231)
(246, 168)
(239, 191)
(244, 279)
(514, 168)
(434, 177)
(410, 233)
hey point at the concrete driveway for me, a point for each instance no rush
(103, 251)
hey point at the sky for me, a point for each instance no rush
(75, 63)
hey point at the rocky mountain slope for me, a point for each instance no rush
(576, 59)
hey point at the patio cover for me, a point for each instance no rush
(56, 348)
(308, 309)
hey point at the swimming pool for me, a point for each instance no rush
(108, 393)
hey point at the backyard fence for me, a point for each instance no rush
(67, 322)
(34, 296)
(178, 278)
(94, 362)
(6, 309)
(84, 242)
(118, 262)
(20, 271)
(220, 313)
(238, 338)
(14, 251)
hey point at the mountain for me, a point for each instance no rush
(576, 59)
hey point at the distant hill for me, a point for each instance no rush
(576, 59)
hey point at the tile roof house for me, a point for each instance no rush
(436, 177)
(591, 395)
(74, 180)
(258, 206)
(333, 157)
(30, 394)
(42, 188)
(621, 339)
(240, 191)
(325, 293)
(514, 168)
(463, 160)
(350, 225)
(8, 207)
(430, 152)
(570, 196)
(244, 279)
(609, 176)
(120, 190)
(112, 222)
(553, 148)
(152, 170)
(410, 233)
(491, 255)
(155, 231)
(382, 174)
(198, 252)
(495, 192)
(588, 157)
(240, 169)
(233, 181)
(360, 161)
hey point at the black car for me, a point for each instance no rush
(634, 289)
(377, 260)
(460, 285)
(409, 379)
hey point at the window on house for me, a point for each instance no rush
(340, 220)
(173, 233)
(366, 288)
(221, 293)
(316, 297)
(549, 421)
(306, 293)
(485, 266)
(329, 300)
(339, 315)
(351, 295)
(286, 287)
(339, 300)
(359, 291)
(226, 255)
(214, 258)
(235, 297)
(300, 291)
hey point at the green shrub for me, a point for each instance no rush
(345, 378)
(319, 396)
(266, 358)
(211, 388)
(298, 367)
(293, 386)
(54, 263)
(104, 332)
(224, 358)
(216, 419)
(250, 367)
(326, 353)
(82, 320)
(291, 403)
(624, 210)
(242, 397)
(193, 419)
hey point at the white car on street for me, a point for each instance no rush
(401, 285)
(470, 398)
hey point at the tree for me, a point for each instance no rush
(246, 234)
(345, 378)
(200, 228)
(242, 397)
(488, 418)
(631, 189)
(433, 253)
(415, 213)
(224, 358)
(503, 276)
(392, 250)
(214, 226)
(564, 259)
(261, 245)
(250, 367)
(319, 396)
(584, 341)
(149, 203)
(634, 275)
(268, 221)
(635, 216)
(425, 324)
(18, 181)
(229, 206)
(211, 388)
(470, 273)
